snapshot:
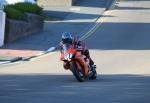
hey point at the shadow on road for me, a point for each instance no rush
(132, 8)
(107, 88)
(136, 36)
(94, 3)
(76, 16)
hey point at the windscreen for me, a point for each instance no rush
(66, 47)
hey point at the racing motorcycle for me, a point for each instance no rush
(77, 63)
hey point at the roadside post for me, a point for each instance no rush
(2, 27)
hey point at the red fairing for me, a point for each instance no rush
(70, 54)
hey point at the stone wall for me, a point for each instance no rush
(16, 29)
(49, 3)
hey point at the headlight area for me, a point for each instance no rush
(68, 57)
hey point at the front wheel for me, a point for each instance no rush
(77, 72)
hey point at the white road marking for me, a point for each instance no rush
(75, 9)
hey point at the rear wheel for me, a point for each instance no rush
(94, 74)
(77, 72)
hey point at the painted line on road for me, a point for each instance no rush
(75, 9)
(99, 22)
(112, 5)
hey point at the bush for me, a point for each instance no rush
(13, 13)
(28, 7)
(17, 11)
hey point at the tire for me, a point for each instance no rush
(94, 76)
(76, 72)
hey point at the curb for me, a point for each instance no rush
(51, 49)
(82, 36)
(11, 61)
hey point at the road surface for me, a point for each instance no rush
(120, 48)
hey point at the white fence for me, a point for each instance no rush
(2, 27)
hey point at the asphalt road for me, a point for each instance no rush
(120, 48)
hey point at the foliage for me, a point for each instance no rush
(13, 13)
(17, 11)
(28, 7)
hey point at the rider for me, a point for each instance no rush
(67, 38)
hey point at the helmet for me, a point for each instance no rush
(67, 38)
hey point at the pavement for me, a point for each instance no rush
(77, 19)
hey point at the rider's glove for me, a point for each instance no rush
(79, 48)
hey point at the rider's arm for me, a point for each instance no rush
(80, 45)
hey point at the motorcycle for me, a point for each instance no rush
(77, 63)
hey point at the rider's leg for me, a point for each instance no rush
(87, 54)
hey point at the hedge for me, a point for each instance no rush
(17, 11)
(13, 13)
(28, 7)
